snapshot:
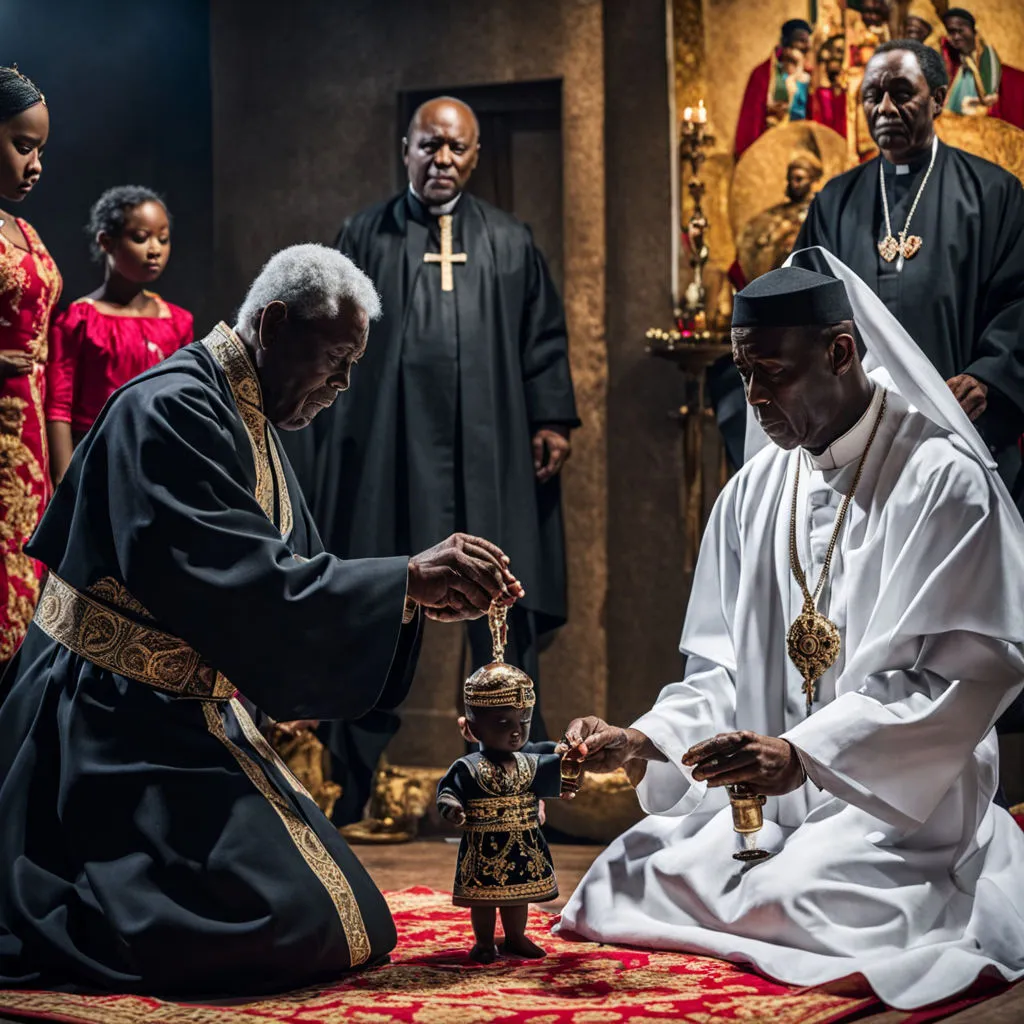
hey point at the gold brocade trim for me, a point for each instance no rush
(115, 593)
(498, 782)
(268, 753)
(13, 277)
(535, 892)
(504, 813)
(21, 481)
(39, 346)
(306, 841)
(48, 273)
(103, 635)
(271, 487)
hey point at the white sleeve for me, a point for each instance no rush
(685, 713)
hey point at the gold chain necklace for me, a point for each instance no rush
(813, 641)
(907, 247)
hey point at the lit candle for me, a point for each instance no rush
(688, 114)
(702, 113)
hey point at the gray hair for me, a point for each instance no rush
(312, 281)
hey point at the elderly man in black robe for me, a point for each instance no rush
(151, 841)
(938, 234)
(464, 413)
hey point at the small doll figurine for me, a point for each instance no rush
(504, 863)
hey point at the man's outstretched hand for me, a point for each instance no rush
(604, 748)
(460, 577)
(770, 765)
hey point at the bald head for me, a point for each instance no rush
(446, 107)
(441, 149)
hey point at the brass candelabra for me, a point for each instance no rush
(695, 137)
(694, 343)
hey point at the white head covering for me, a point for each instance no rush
(894, 360)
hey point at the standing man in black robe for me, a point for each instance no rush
(939, 235)
(466, 403)
(150, 839)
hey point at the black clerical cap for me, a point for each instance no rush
(792, 297)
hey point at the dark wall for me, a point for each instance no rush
(646, 585)
(128, 87)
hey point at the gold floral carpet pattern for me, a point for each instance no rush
(431, 981)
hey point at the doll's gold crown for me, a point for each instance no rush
(499, 685)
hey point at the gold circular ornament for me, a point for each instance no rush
(813, 643)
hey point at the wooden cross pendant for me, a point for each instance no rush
(446, 257)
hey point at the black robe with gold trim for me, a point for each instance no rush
(150, 840)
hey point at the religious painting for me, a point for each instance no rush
(772, 187)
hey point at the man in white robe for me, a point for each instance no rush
(890, 860)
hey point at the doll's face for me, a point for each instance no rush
(501, 729)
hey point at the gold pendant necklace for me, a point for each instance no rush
(908, 246)
(813, 641)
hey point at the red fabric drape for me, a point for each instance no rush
(753, 120)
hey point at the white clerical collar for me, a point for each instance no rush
(437, 211)
(917, 164)
(851, 445)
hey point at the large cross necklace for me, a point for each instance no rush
(813, 641)
(908, 245)
(446, 257)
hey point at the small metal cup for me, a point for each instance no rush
(747, 820)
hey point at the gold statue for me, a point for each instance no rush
(398, 801)
(763, 172)
(308, 760)
(768, 239)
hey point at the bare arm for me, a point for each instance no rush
(58, 434)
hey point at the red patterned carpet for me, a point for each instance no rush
(430, 981)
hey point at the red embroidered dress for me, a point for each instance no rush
(93, 353)
(29, 288)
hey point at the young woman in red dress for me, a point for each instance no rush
(104, 340)
(29, 288)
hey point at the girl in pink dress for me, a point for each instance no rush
(105, 339)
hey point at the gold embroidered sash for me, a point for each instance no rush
(101, 632)
(501, 813)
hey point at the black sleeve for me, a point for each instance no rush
(541, 747)
(999, 350)
(452, 789)
(548, 780)
(547, 380)
(302, 639)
